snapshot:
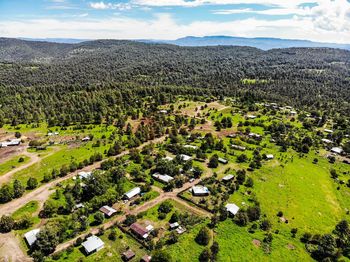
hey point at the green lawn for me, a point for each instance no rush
(11, 164)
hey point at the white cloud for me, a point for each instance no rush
(163, 26)
(102, 6)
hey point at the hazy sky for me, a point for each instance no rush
(318, 20)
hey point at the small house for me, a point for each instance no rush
(93, 244)
(86, 139)
(84, 175)
(108, 211)
(180, 230)
(128, 255)
(31, 236)
(163, 111)
(328, 131)
(168, 158)
(80, 205)
(253, 135)
(162, 178)
(326, 141)
(200, 191)
(337, 150)
(174, 225)
(190, 146)
(251, 116)
(227, 178)
(222, 160)
(241, 148)
(139, 230)
(269, 156)
(146, 258)
(232, 209)
(132, 193)
(185, 158)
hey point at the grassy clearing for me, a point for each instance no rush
(12, 163)
(111, 252)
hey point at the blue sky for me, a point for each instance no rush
(318, 20)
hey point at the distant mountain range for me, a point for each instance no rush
(261, 43)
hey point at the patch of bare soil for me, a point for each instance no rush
(290, 246)
(7, 153)
(10, 249)
(256, 243)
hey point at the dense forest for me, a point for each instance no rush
(92, 80)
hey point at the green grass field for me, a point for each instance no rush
(12, 163)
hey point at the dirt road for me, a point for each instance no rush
(42, 193)
(10, 249)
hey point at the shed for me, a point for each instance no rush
(174, 225)
(162, 178)
(269, 156)
(108, 211)
(222, 160)
(241, 148)
(129, 254)
(200, 191)
(184, 157)
(30, 236)
(132, 193)
(146, 258)
(227, 178)
(337, 150)
(232, 209)
(93, 244)
(139, 230)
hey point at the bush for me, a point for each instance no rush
(203, 236)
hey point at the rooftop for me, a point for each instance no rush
(92, 243)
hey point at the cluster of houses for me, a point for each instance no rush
(10, 142)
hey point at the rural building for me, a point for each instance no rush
(328, 131)
(168, 158)
(269, 156)
(180, 230)
(163, 111)
(139, 230)
(222, 160)
(80, 205)
(293, 113)
(200, 191)
(174, 225)
(93, 244)
(30, 236)
(327, 141)
(85, 139)
(162, 178)
(84, 175)
(337, 150)
(227, 178)
(251, 116)
(241, 148)
(132, 193)
(190, 146)
(146, 258)
(232, 209)
(11, 142)
(128, 255)
(185, 157)
(253, 135)
(108, 211)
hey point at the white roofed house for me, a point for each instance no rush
(31, 236)
(328, 131)
(269, 156)
(251, 116)
(222, 160)
(168, 158)
(93, 244)
(227, 178)
(326, 141)
(84, 175)
(241, 148)
(185, 157)
(232, 209)
(162, 178)
(200, 191)
(190, 146)
(337, 150)
(132, 193)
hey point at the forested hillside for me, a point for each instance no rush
(90, 80)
